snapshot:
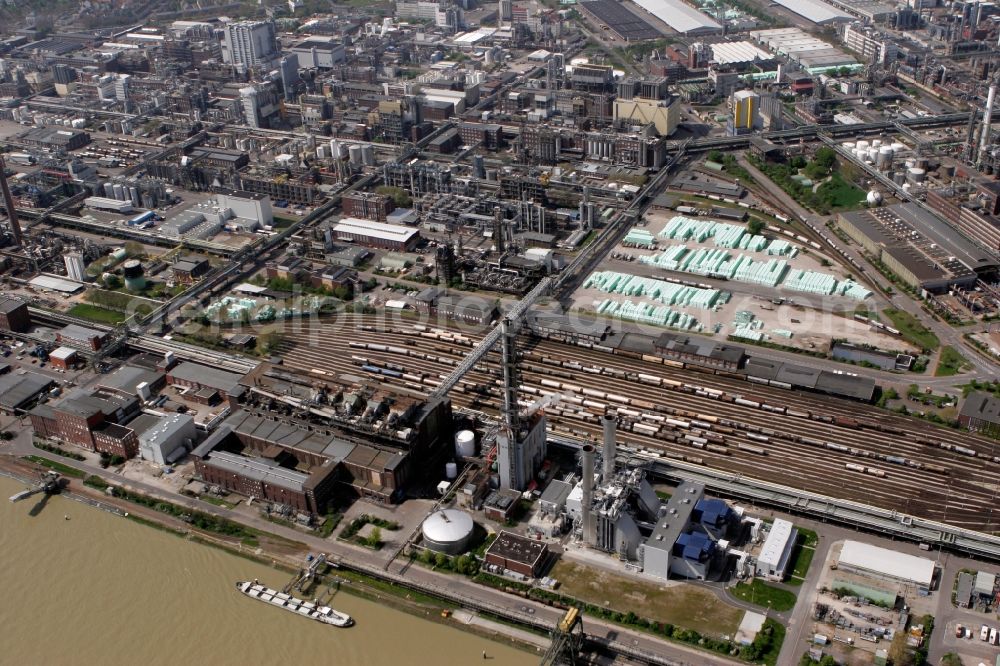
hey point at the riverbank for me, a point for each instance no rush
(285, 560)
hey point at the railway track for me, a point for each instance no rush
(826, 445)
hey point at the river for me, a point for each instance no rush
(100, 589)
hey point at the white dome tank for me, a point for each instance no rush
(465, 444)
(874, 198)
(448, 531)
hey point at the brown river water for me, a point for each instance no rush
(100, 589)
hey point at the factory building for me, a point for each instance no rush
(745, 108)
(367, 205)
(873, 47)
(18, 393)
(887, 565)
(518, 459)
(247, 205)
(92, 421)
(375, 234)
(776, 553)
(168, 440)
(81, 337)
(205, 385)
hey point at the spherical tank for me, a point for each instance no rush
(874, 198)
(448, 531)
(465, 444)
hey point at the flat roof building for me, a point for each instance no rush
(886, 564)
(517, 553)
(981, 413)
(681, 16)
(776, 553)
(817, 11)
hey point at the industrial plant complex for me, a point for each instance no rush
(565, 316)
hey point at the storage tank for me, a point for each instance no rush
(109, 190)
(898, 147)
(368, 154)
(118, 254)
(133, 194)
(465, 444)
(873, 154)
(132, 271)
(916, 175)
(321, 152)
(849, 145)
(862, 145)
(355, 154)
(119, 192)
(899, 177)
(876, 143)
(447, 531)
(451, 471)
(884, 157)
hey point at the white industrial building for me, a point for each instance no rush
(75, 268)
(886, 564)
(105, 203)
(681, 16)
(168, 440)
(776, 553)
(737, 53)
(817, 11)
(247, 205)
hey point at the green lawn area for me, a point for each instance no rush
(911, 329)
(807, 538)
(760, 593)
(66, 470)
(950, 363)
(802, 560)
(840, 194)
(686, 606)
(95, 313)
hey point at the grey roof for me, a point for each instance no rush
(80, 333)
(221, 434)
(675, 516)
(259, 469)
(981, 406)
(8, 305)
(846, 386)
(518, 548)
(556, 493)
(16, 390)
(127, 377)
(205, 376)
(165, 429)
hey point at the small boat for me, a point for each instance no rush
(313, 611)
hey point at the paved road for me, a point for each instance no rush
(454, 585)
(984, 369)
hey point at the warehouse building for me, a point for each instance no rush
(681, 17)
(55, 138)
(204, 384)
(167, 440)
(81, 337)
(816, 11)
(918, 246)
(624, 24)
(375, 234)
(812, 54)
(885, 564)
(19, 392)
(776, 554)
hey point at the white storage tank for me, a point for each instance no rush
(448, 531)
(898, 147)
(916, 175)
(862, 145)
(849, 145)
(355, 154)
(884, 157)
(451, 471)
(465, 444)
(873, 154)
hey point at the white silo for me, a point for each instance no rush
(119, 192)
(873, 154)
(355, 154)
(109, 190)
(862, 145)
(368, 154)
(465, 444)
(884, 157)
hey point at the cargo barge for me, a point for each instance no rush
(323, 614)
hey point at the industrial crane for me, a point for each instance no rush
(48, 484)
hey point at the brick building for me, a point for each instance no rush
(518, 554)
(367, 205)
(92, 421)
(14, 315)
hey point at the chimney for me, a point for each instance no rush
(610, 425)
(587, 503)
(984, 139)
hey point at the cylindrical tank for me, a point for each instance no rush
(862, 145)
(876, 143)
(321, 152)
(368, 154)
(849, 145)
(451, 471)
(899, 177)
(916, 175)
(133, 194)
(118, 254)
(355, 154)
(873, 154)
(898, 147)
(109, 190)
(465, 444)
(133, 274)
(447, 531)
(119, 192)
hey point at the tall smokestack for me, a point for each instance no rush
(587, 502)
(8, 202)
(610, 425)
(984, 139)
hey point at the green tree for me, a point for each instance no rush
(441, 561)
(755, 226)
(398, 195)
(112, 281)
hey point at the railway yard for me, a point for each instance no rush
(718, 419)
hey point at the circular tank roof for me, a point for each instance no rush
(447, 526)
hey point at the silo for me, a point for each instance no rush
(109, 190)
(119, 192)
(873, 154)
(899, 177)
(354, 152)
(862, 145)
(148, 200)
(133, 274)
(465, 444)
(451, 471)
(133, 194)
(368, 154)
